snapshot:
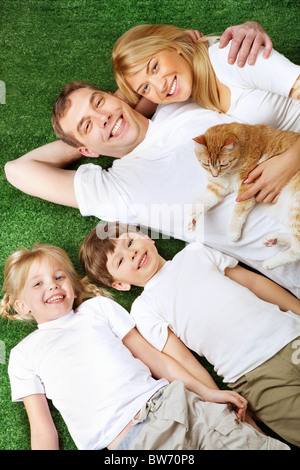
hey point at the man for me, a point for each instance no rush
(154, 182)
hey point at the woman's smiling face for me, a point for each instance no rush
(166, 77)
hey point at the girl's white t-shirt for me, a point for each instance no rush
(81, 364)
(212, 315)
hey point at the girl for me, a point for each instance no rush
(91, 364)
(164, 65)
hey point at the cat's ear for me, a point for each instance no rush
(230, 143)
(200, 143)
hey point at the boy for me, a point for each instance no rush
(202, 296)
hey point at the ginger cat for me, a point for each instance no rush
(229, 152)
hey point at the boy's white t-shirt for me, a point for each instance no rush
(259, 93)
(81, 364)
(212, 315)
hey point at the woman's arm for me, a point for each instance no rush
(163, 366)
(264, 288)
(43, 432)
(272, 175)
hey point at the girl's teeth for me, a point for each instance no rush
(117, 126)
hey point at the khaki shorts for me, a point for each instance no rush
(176, 419)
(273, 392)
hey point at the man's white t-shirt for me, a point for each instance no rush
(81, 364)
(157, 183)
(211, 314)
(259, 93)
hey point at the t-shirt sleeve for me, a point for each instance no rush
(98, 194)
(119, 319)
(276, 74)
(153, 328)
(23, 379)
(220, 260)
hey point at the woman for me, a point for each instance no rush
(163, 64)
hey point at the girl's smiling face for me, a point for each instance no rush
(166, 77)
(48, 292)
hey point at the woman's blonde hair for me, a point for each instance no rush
(16, 272)
(138, 45)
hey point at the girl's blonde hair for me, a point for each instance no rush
(16, 272)
(137, 46)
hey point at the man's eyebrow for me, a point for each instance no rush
(92, 97)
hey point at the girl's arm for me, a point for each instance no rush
(43, 432)
(163, 366)
(264, 288)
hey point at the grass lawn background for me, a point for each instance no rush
(44, 44)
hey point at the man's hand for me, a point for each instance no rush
(246, 40)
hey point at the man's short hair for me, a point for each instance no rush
(62, 104)
(100, 242)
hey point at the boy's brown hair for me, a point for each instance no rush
(97, 245)
(61, 106)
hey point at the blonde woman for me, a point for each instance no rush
(163, 64)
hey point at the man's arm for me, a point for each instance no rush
(264, 288)
(163, 366)
(43, 432)
(42, 173)
(246, 41)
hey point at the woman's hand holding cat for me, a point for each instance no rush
(272, 175)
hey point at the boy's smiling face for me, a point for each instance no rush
(134, 261)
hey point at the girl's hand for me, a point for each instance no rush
(246, 41)
(227, 396)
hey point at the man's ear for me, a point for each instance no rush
(122, 286)
(87, 153)
(22, 307)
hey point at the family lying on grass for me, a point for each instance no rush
(128, 381)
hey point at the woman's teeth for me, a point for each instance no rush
(117, 126)
(173, 88)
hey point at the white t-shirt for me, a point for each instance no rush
(81, 364)
(157, 183)
(212, 315)
(259, 93)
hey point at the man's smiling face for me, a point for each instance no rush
(104, 123)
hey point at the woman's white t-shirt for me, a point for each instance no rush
(212, 315)
(259, 93)
(81, 364)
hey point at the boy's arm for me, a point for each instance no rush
(264, 288)
(175, 348)
(42, 173)
(163, 366)
(43, 432)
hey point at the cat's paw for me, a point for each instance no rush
(192, 217)
(190, 221)
(277, 239)
(234, 233)
(270, 264)
(267, 241)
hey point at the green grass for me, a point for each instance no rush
(45, 43)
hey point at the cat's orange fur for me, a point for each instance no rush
(229, 152)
